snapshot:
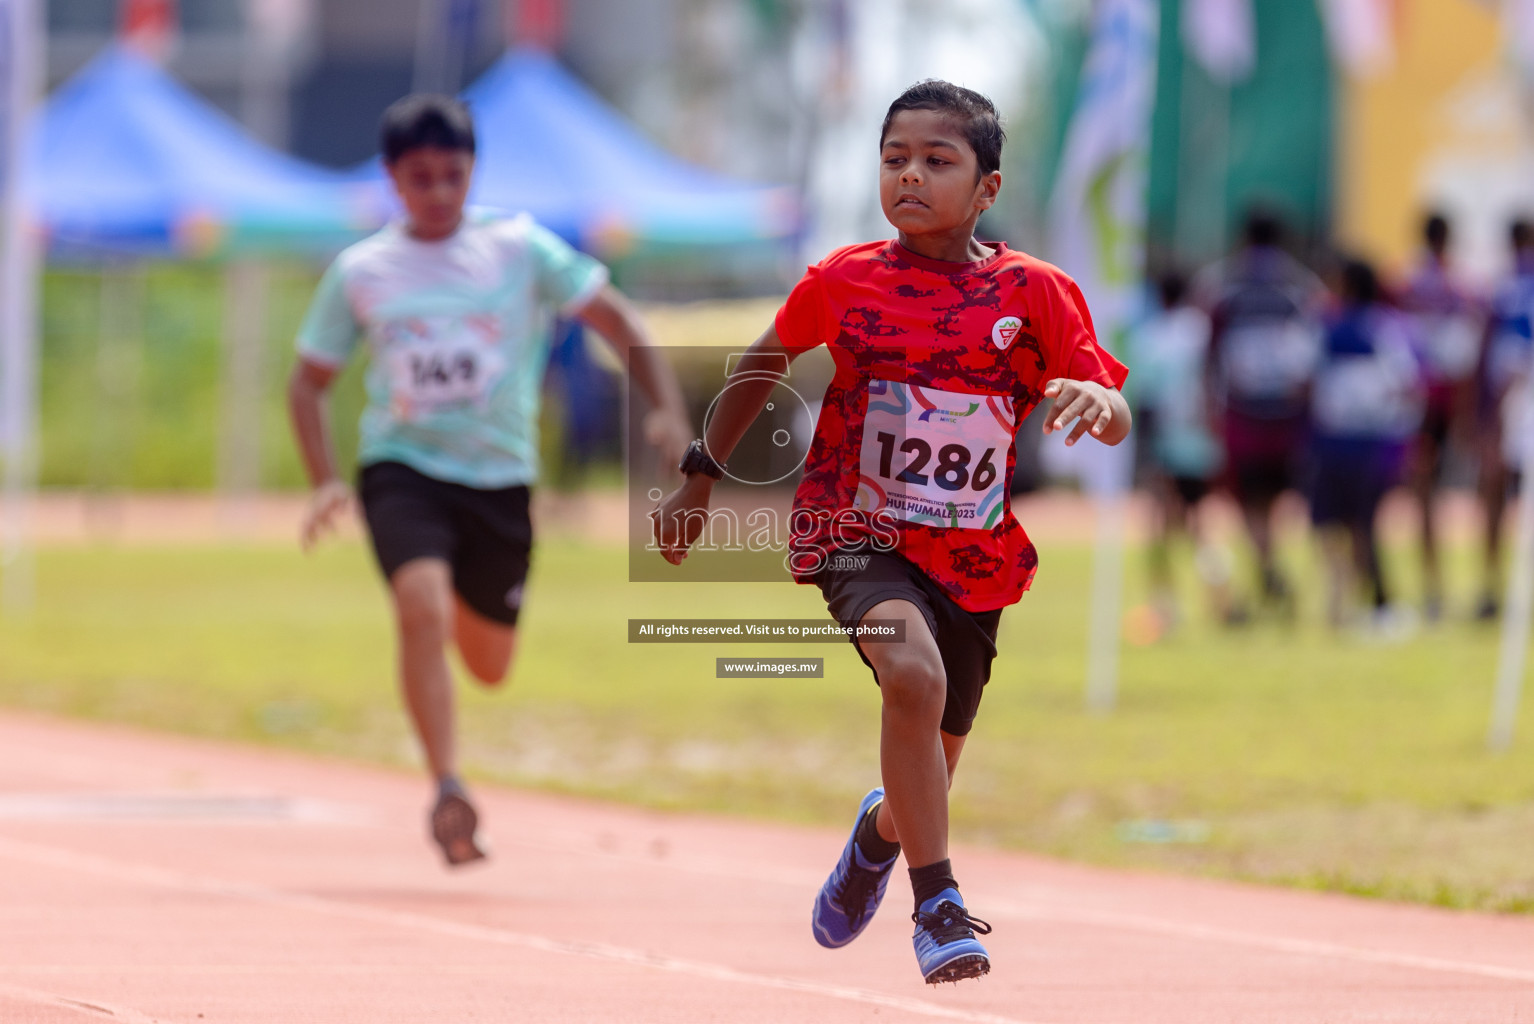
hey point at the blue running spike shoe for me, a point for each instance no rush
(852, 893)
(946, 947)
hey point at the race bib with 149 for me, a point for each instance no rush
(442, 363)
(937, 458)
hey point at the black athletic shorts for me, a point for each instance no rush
(485, 535)
(1348, 491)
(966, 640)
(1437, 421)
(1191, 489)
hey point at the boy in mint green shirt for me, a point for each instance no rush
(456, 312)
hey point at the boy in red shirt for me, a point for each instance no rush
(942, 346)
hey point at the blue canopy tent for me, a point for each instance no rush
(126, 161)
(550, 146)
(127, 166)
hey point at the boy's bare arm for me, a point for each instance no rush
(307, 388)
(1102, 411)
(614, 317)
(738, 407)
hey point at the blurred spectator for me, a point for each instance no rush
(1170, 351)
(1447, 326)
(1367, 403)
(1265, 310)
(1500, 398)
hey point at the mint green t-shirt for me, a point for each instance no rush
(458, 334)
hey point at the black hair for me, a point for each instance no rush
(422, 120)
(1263, 227)
(1172, 287)
(1521, 233)
(1435, 231)
(975, 113)
(1360, 284)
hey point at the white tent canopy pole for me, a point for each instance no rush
(1107, 600)
(246, 295)
(21, 56)
(1520, 600)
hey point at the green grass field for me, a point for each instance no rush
(132, 374)
(1288, 754)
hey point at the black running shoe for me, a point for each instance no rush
(454, 824)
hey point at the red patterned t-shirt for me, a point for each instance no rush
(936, 366)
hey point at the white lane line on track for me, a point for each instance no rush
(178, 807)
(1040, 911)
(91, 1008)
(144, 874)
(1278, 944)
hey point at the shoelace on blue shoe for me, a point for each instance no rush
(949, 922)
(855, 890)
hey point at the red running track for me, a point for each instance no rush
(152, 878)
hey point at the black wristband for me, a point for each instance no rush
(698, 460)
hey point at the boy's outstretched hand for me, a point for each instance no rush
(669, 433)
(329, 502)
(680, 516)
(1096, 409)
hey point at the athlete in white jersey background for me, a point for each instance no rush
(455, 309)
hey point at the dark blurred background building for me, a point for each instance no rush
(309, 75)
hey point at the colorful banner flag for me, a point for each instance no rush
(1360, 34)
(1097, 227)
(1099, 206)
(1221, 35)
(1518, 35)
(1097, 212)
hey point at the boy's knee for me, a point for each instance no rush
(486, 649)
(488, 668)
(422, 609)
(915, 686)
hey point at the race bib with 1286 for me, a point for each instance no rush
(938, 458)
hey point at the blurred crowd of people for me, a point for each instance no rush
(1260, 376)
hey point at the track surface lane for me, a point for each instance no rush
(154, 878)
